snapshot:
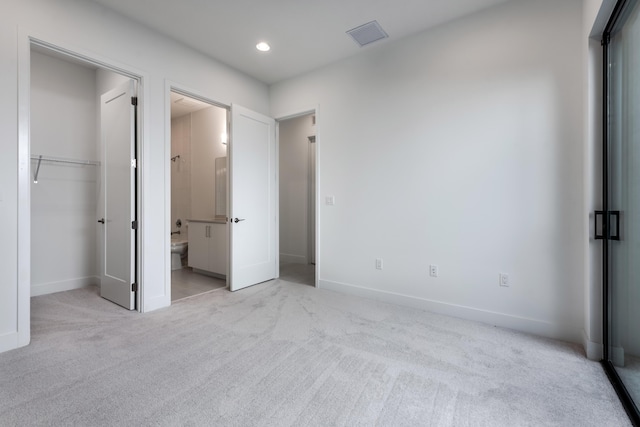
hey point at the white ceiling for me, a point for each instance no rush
(304, 34)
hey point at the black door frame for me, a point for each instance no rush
(613, 24)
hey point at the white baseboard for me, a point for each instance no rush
(63, 285)
(523, 324)
(593, 350)
(156, 303)
(293, 259)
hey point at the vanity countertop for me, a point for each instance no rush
(212, 221)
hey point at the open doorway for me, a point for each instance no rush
(297, 164)
(198, 162)
(83, 233)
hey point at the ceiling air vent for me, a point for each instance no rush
(367, 33)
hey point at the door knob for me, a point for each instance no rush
(101, 220)
(237, 220)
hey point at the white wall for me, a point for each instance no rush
(63, 202)
(207, 127)
(181, 173)
(460, 147)
(107, 80)
(95, 32)
(294, 188)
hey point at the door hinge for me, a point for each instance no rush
(134, 100)
(134, 225)
(134, 163)
(134, 287)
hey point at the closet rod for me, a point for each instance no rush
(63, 160)
(40, 158)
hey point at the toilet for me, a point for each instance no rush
(178, 251)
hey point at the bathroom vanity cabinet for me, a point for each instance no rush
(208, 247)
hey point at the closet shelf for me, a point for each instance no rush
(40, 158)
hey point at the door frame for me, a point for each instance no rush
(171, 86)
(27, 39)
(304, 112)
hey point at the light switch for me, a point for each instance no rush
(330, 200)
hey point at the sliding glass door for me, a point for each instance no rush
(620, 219)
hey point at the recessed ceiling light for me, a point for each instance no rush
(263, 47)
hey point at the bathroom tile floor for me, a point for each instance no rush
(185, 283)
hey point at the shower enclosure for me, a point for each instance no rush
(619, 220)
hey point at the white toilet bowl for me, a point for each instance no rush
(178, 251)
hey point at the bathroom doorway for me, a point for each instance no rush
(82, 234)
(198, 164)
(297, 164)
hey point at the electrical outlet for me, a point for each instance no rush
(433, 270)
(504, 280)
(378, 263)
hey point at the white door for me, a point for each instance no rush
(252, 180)
(117, 113)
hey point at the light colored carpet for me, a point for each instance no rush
(282, 354)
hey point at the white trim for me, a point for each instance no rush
(192, 93)
(155, 303)
(10, 341)
(63, 285)
(593, 350)
(166, 297)
(143, 152)
(80, 54)
(276, 237)
(299, 113)
(318, 193)
(24, 193)
(311, 202)
(523, 324)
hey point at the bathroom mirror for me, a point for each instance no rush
(221, 187)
